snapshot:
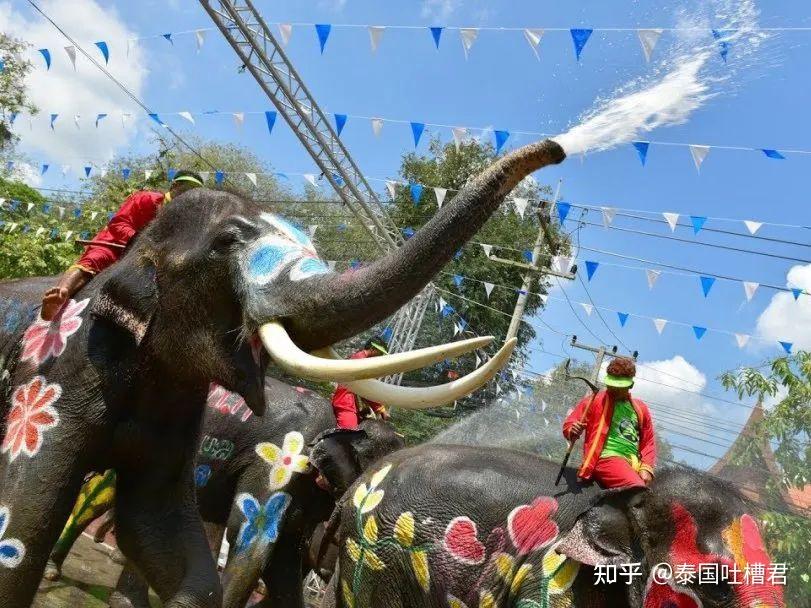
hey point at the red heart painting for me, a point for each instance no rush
(462, 543)
(531, 527)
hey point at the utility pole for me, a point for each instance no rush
(601, 352)
(532, 268)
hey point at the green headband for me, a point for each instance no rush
(187, 178)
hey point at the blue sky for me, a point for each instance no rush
(502, 85)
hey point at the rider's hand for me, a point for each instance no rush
(576, 429)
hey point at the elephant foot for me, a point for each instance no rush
(53, 572)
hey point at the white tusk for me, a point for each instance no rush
(422, 398)
(299, 363)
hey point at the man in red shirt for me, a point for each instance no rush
(137, 211)
(620, 447)
(348, 407)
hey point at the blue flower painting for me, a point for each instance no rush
(261, 525)
(12, 550)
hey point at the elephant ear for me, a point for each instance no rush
(129, 297)
(335, 456)
(605, 533)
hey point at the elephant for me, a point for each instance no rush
(118, 380)
(457, 526)
(243, 459)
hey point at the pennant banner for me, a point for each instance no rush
(699, 153)
(698, 223)
(749, 289)
(648, 39)
(416, 130)
(377, 126)
(375, 34)
(588, 308)
(642, 150)
(591, 268)
(580, 37)
(285, 31)
(501, 139)
(488, 288)
(608, 215)
(468, 36)
(706, 284)
(71, 51)
(659, 324)
(533, 37)
(520, 205)
(436, 33)
(623, 318)
(440, 194)
(322, 30)
(672, 220)
(752, 227)
(105, 51)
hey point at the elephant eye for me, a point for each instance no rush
(234, 232)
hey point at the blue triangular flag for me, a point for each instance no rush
(623, 317)
(219, 176)
(54, 233)
(462, 324)
(580, 37)
(458, 254)
(125, 172)
(773, 154)
(723, 45)
(787, 346)
(44, 169)
(527, 255)
(270, 117)
(408, 232)
(110, 215)
(457, 280)
(2, 66)
(591, 268)
(169, 37)
(171, 174)
(15, 204)
(354, 264)
(436, 32)
(446, 310)
(698, 222)
(77, 213)
(338, 180)
(53, 120)
(100, 117)
(9, 165)
(47, 55)
(563, 210)
(322, 29)
(706, 284)
(642, 150)
(46, 208)
(416, 192)
(87, 171)
(416, 129)
(104, 50)
(699, 331)
(12, 117)
(797, 292)
(340, 122)
(85, 235)
(501, 139)
(387, 333)
(157, 119)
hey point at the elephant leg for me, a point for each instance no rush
(159, 529)
(38, 490)
(131, 591)
(331, 595)
(95, 499)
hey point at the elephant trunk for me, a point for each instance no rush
(336, 307)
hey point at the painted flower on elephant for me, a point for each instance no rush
(261, 521)
(744, 541)
(531, 527)
(31, 415)
(283, 461)
(45, 339)
(12, 551)
(366, 498)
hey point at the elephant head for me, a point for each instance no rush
(215, 272)
(687, 522)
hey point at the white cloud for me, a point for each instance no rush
(86, 91)
(787, 319)
(333, 5)
(27, 174)
(439, 10)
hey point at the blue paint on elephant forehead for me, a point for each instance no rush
(267, 259)
(312, 266)
(289, 230)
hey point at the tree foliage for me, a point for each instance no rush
(13, 95)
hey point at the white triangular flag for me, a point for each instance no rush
(204, 175)
(68, 234)
(456, 328)
(251, 177)
(129, 43)
(587, 307)
(93, 215)
(459, 135)
(375, 34)
(469, 35)
(742, 339)
(653, 276)
(60, 211)
(660, 325)
(533, 37)
(608, 215)
(377, 126)
(750, 288)
(488, 287)
(392, 187)
(699, 154)
(488, 249)
(12, 226)
(672, 220)
(442, 303)
(71, 51)
(331, 265)
(520, 205)
(285, 30)
(148, 173)
(187, 116)
(752, 227)
(199, 38)
(311, 230)
(103, 172)
(65, 170)
(28, 207)
(76, 118)
(440, 194)
(648, 40)
(239, 119)
(561, 263)
(478, 360)
(39, 231)
(498, 388)
(125, 116)
(311, 179)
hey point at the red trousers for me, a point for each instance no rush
(616, 472)
(98, 257)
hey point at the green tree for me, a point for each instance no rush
(13, 95)
(787, 428)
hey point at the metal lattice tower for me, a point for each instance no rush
(248, 34)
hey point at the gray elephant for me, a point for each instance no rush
(457, 526)
(293, 453)
(119, 378)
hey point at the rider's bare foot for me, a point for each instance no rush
(52, 301)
